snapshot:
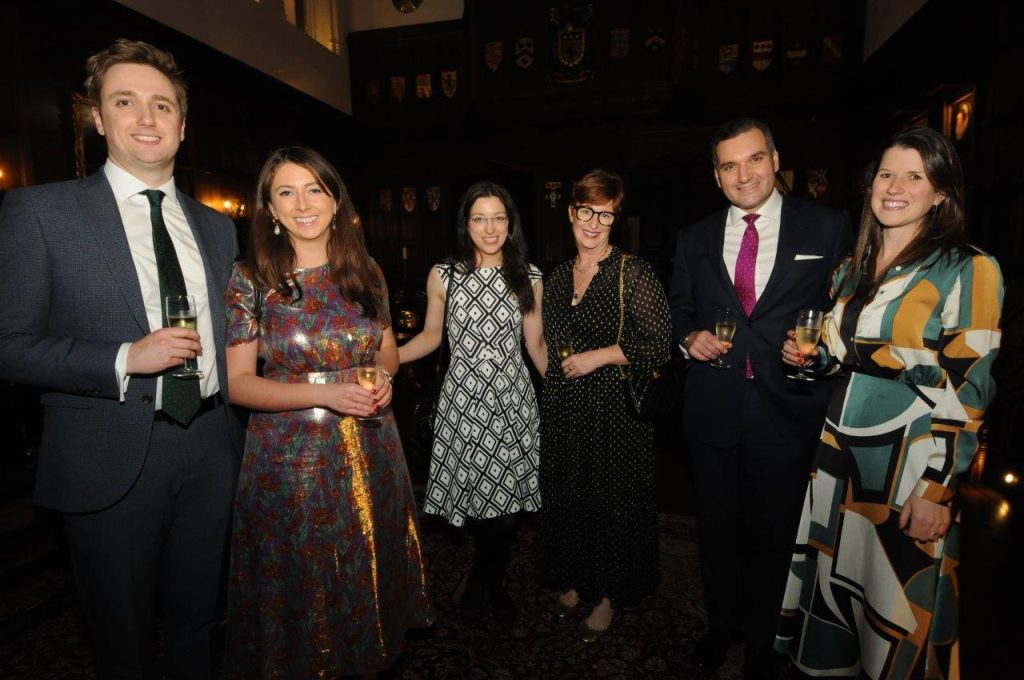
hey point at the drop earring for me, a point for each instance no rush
(277, 227)
(334, 223)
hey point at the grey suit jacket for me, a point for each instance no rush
(69, 296)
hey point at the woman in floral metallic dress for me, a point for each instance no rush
(326, 564)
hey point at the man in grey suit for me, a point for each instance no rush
(141, 464)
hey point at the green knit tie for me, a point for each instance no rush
(181, 397)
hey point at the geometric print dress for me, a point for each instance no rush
(863, 599)
(486, 445)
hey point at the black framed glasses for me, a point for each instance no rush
(604, 217)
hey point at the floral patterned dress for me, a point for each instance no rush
(327, 570)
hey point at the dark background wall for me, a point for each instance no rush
(534, 93)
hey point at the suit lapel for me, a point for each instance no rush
(716, 241)
(101, 217)
(789, 230)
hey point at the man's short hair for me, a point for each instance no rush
(125, 51)
(735, 128)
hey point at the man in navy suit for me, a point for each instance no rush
(751, 431)
(142, 465)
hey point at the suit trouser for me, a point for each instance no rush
(157, 555)
(749, 499)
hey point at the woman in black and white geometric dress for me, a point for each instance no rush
(483, 468)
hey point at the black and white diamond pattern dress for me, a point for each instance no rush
(486, 443)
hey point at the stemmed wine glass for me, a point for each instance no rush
(808, 331)
(725, 328)
(366, 375)
(181, 312)
(563, 343)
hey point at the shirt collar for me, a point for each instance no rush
(125, 185)
(771, 210)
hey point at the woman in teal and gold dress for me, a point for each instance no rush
(326, 565)
(873, 588)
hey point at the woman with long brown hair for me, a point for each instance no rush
(873, 586)
(326, 567)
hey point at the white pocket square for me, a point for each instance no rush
(808, 257)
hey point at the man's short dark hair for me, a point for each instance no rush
(125, 51)
(735, 128)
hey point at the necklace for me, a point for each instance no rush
(583, 270)
(592, 265)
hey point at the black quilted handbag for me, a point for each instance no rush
(652, 393)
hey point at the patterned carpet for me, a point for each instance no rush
(40, 634)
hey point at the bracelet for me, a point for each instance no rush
(387, 374)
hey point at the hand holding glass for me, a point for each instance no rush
(725, 328)
(366, 376)
(808, 331)
(181, 312)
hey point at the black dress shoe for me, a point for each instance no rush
(762, 664)
(710, 651)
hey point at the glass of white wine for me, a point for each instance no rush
(808, 331)
(366, 376)
(725, 328)
(564, 346)
(181, 312)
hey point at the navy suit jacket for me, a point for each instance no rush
(701, 284)
(69, 297)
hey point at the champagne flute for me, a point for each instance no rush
(181, 312)
(808, 331)
(563, 344)
(366, 376)
(725, 328)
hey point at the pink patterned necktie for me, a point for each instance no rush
(746, 263)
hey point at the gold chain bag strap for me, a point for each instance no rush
(653, 393)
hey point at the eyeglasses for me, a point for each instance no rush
(496, 220)
(604, 217)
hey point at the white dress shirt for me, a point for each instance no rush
(768, 225)
(134, 209)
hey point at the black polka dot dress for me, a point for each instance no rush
(598, 526)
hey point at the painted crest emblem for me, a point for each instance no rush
(728, 57)
(570, 45)
(409, 198)
(655, 38)
(524, 53)
(553, 194)
(449, 83)
(796, 53)
(385, 201)
(493, 53)
(424, 86)
(618, 43)
(398, 88)
(571, 56)
(433, 198)
(761, 52)
(817, 182)
(832, 49)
